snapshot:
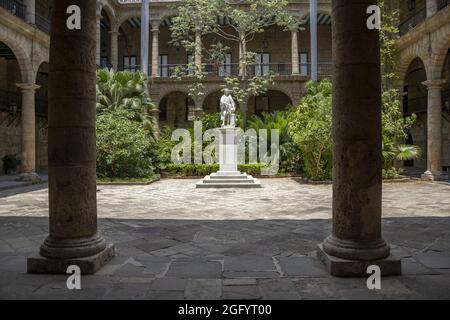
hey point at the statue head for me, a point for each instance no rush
(227, 92)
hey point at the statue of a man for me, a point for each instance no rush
(228, 109)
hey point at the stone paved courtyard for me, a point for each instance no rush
(176, 242)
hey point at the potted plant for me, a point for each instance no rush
(10, 164)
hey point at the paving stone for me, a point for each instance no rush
(251, 274)
(316, 288)
(178, 238)
(411, 266)
(434, 260)
(245, 263)
(203, 289)
(301, 267)
(241, 292)
(195, 269)
(169, 284)
(164, 295)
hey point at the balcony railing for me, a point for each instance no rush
(412, 22)
(232, 69)
(442, 4)
(14, 7)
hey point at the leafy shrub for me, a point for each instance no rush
(310, 128)
(201, 170)
(123, 148)
(290, 154)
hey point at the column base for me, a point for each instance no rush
(89, 265)
(435, 176)
(390, 266)
(29, 177)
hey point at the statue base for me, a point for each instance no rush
(229, 176)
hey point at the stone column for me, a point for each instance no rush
(198, 50)
(73, 238)
(155, 52)
(28, 154)
(98, 36)
(313, 30)
(434, 132)
(114, 49)
(356, 241)
(30, 11)
(432, 7)
(294, 53)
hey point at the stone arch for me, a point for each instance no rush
(24, 61)
(442, 47)
(407, 57)
(272, 101)
(175, 108)
(106, 6)
(135, 13)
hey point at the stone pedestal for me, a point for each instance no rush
(229, 175)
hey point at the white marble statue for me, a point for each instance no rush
(228, 110)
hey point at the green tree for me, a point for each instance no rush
(310, 128)
(125, 94)
(199, 17)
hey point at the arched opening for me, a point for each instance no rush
(41, 102)
(272, 101)
(10, 103)
(176, 110)
(415, 97)
(129, 44)
(105, 41)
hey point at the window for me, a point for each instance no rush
(129, 63)
(262, 65)
(303, 56)
(163, 66)
(225, 69)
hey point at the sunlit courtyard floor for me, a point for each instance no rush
(176, 242)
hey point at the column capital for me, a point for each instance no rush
(434, 84)
(26, 87)
(114, 33)
(155, 30)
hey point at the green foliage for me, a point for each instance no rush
(125, 94)
(392, 173)
(200, 17)
(310, 128)
(290, 158)
(123, 148)
(10, 163)
(201, 170)
(394, 128)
